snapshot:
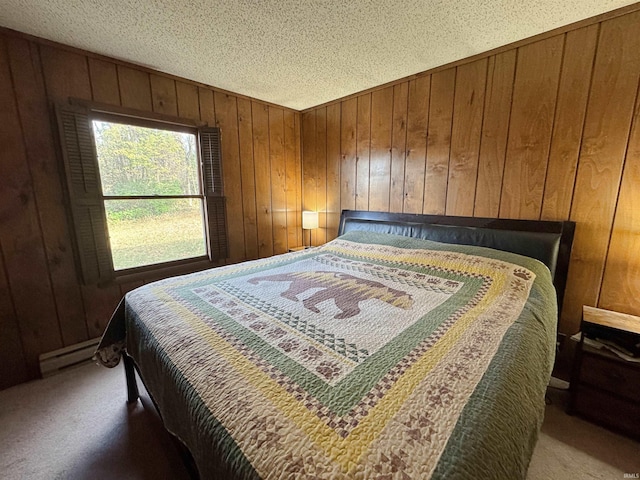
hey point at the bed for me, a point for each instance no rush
(409, 347)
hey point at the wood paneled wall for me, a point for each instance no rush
(549, 129)
(42, 305)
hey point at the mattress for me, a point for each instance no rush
(372, 356)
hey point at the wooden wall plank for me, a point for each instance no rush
(532, 115)
(20, 234)
(298, 127)
(605, 137)
(247, 171)
(163, 94)
(319, 234)
(309, 184)
(439, 141)
(380, 153)
(33, 111)
(104, 81)
(66, 74)
(621, 282)
(278, 180)
(13, 366)
(292, 180)
(573, 92)
(348, 153)
(135, 88)
(417, 122)
(206, 107)
(363, 151)
(466, 131)
(495, 129)
(260, 116)
(188, 102)
(398, 147)
(227, 119)
(333, 171)
(99, 303)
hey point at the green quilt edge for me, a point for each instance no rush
(234, 463)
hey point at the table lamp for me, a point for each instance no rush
(309, 222)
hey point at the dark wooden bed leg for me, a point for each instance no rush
(130, 374)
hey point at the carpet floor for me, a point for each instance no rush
(77, 425)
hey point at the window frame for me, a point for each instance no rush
(144, 123)
(87, 201)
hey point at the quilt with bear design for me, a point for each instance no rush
(373, 356)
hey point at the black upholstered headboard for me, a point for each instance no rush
(547, 241)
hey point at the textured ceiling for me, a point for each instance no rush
(296, 53)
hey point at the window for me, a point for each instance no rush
(152, 195)
(144, 194)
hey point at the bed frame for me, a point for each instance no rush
(548, 241)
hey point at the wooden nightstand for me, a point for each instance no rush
(297, 249)
(604, 387)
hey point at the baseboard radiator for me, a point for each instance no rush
(67, 357)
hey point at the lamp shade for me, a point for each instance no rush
(309, 220)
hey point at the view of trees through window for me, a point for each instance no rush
(152, 194)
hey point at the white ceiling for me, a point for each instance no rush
(295, 53)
